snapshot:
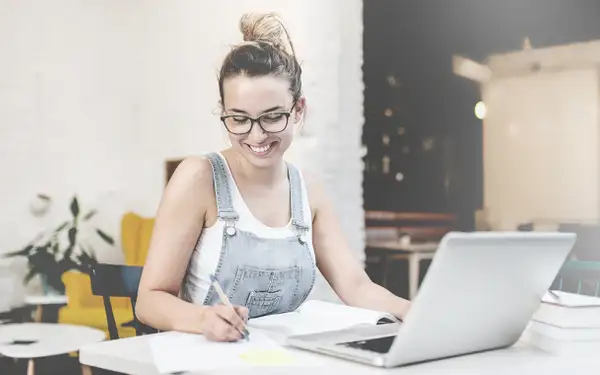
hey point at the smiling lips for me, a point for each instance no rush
(261, 150)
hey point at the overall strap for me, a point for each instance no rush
(296, 198)
(222, 189)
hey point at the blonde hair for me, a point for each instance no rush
(267, 49)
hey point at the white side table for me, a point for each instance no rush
(44, 300)
(36, 340)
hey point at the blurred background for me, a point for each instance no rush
(424, 117)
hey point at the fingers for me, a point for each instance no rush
(219, 329)
(223, 323)
(232, 316)
(243, 312)
(223, 331)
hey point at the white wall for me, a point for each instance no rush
(541, 154)
(95, 95)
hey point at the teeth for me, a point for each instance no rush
(260, 150)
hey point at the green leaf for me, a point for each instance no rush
(72, 236)
(61, 227)
(89, 215)
(105, 237)
(90, 253)
(75, 207)
(19, 253)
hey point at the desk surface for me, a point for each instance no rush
(133, 356)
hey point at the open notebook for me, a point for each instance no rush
(319, 316)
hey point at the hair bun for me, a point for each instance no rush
(266, 27)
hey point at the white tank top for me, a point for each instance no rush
(206, 254)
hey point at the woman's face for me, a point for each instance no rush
(248, 103)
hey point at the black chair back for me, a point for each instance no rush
(587, 245)
(111, 280)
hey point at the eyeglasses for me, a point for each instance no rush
(271, 122)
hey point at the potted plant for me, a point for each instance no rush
(52, 253)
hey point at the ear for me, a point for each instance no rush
(299, 110)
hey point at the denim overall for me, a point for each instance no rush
(268, 276)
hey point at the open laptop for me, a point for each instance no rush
(479, 294)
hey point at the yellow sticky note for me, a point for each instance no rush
(267, 357)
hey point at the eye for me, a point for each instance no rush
(239, 119)
(272, 117)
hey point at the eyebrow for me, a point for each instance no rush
(265, 111)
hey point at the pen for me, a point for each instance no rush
(225, 301)
(554, 295)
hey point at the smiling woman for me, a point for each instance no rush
(244, 218)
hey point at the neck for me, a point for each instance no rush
(267, 176)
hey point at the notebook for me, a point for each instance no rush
(569, 311)
(316, 316)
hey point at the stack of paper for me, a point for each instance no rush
(569, 323)
(180, 352)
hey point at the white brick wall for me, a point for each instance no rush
(95, 95)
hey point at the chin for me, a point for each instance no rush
(265, 155)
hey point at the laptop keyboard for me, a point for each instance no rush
(380, 345)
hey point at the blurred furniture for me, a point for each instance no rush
(581, 277)
(108, 281)
(85, 308)
(413, 253)
(28, 341)
(136, 232)
(43, 304)
(409, 236)
(587, 245)
(526, 227)
(19, 314)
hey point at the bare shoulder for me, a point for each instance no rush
(190, 186)
(192, 174)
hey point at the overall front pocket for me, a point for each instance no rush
(263, 290)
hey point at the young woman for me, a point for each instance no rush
(246, 216)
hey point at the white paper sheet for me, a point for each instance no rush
(176, 351)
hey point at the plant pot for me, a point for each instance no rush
(48, 289)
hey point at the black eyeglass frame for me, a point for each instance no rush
(253, 120)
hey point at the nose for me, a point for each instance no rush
(257, 134)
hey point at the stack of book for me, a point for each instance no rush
(566, 323)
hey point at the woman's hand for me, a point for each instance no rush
(222, 323)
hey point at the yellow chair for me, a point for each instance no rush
(136, 232)
(86, 309)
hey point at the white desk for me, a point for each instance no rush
(133, 356)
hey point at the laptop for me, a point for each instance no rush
(479, 294)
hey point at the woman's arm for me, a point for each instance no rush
(181, 216)
(336, 262)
